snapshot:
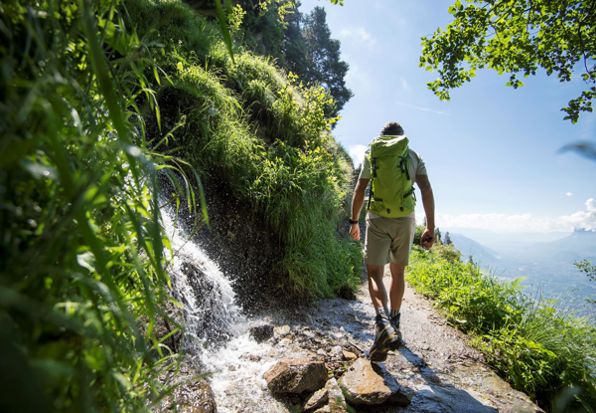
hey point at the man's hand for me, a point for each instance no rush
(355, 232)
(428, 238)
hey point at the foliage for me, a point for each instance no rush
(265, 138)
(539, 351)
(82, 251)
(516, 37)
(301, 44)
(96, 99)
(587, 268)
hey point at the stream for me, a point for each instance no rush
(217, 333)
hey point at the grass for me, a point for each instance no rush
(96, 100)
(82, 248)
(264, 136)
(549, 356)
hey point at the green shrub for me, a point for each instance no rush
(82, 251)
(545, 354)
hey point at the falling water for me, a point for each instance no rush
(217, 333)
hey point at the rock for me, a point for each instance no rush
(318, 399)
(365, 384)
(337, 401)
(261, 332)
(348, 355)
(296, 376)
(337, 351)
(282, 331)
(333, 396)
(205, 402)
(191, 397)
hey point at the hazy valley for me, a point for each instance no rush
(547, 266)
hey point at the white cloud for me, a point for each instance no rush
(404, 83)
(360, 34)
(421, 108)
(583, 219)
(568, 194)
(495, 222)
(357, 153)
(358, 79)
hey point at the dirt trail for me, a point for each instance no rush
(441, 372)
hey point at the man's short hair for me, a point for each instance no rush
(392, 128)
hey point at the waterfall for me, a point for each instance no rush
(217, 333)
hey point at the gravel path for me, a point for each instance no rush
(442, 372)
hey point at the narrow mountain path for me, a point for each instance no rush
(436, 367)
(440, 371)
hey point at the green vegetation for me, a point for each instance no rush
(264, 136)
(587, 268)
(547, 355)
(518, 38)
(82, 252)
(96, 100)
(299, 43)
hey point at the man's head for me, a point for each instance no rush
(392, 128)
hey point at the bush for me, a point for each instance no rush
(82, 249)
(82, 252)
(545, 354)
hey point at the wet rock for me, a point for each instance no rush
(336, 402)
(261, 332)
(205, 402)
(368, 384)
(317, 400)
(192, 397)
(281, 331)
(296, 376)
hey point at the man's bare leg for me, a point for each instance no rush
(376, 288)
(396, 293)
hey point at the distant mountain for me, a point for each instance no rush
(470, 248)
(579, 245)
(548, 267)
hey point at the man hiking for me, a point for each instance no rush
(390, 225)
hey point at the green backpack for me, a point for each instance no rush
(392, 190)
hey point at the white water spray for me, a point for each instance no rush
(216, 330)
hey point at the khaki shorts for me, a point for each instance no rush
(389, 240)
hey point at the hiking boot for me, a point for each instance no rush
(385, 339)
(395, 324)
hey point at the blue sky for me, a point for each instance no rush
(491, 152)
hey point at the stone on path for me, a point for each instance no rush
(318, 399)
(337, 401)
(365, 384)
(295, 376)
(261, 332)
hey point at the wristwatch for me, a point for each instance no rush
(351, 221)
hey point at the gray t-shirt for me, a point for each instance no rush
(416, 167)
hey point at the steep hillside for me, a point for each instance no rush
(110, 109)
(258, 138)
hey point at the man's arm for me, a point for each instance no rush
(357, 201)
(428, 202)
